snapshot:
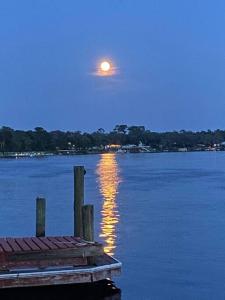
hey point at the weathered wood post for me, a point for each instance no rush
(88, 222)
(78, 200)
(40, 217)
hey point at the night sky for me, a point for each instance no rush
(169, 58)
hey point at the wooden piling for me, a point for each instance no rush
(78, 200)
(40, 217)
(88, 222)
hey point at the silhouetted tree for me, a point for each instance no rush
(41, 140)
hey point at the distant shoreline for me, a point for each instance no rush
(20, 155)
(123, 138)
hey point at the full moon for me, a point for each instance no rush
(105, 66)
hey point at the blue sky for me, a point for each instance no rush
(170, 56)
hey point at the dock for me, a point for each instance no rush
(59, 260)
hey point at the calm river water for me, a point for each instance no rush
(162, 215)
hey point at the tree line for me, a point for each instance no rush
(39, 139)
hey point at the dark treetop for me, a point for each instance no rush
(41, 140)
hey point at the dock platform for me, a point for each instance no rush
(57, 260)
(44, 261)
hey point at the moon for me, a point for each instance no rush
(105, 66)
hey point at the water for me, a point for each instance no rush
(103, 290)
(162, 215)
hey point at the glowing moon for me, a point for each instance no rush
(105, 66)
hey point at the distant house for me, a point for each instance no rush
(184, 149)
(112, 147)
(128, 147)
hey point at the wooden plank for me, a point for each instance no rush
(46, 280)
(22, 244)
(78, 199)
(43, 243)
(104, 259)
(12, 264)
(72, 240)
(59, 253)
(78, 242)
(5, 246)
(76, 238)
(105, 274)
(40, 244)
(48, 243)
(13, 244)
(57, 243)
(31, 244)
(65, 242)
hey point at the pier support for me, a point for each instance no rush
(88, 222)
(40, 217)
(78, 200)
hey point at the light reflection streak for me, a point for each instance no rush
(109, 180)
